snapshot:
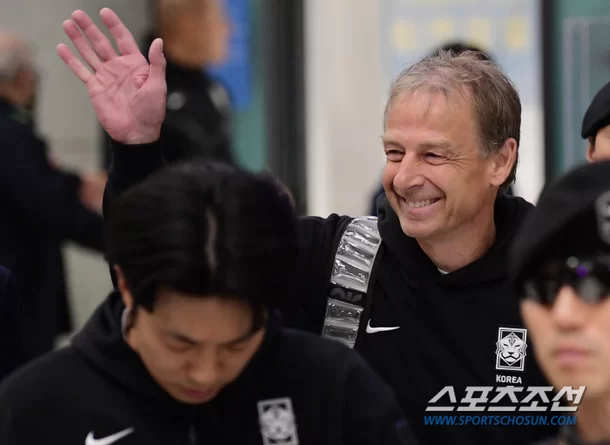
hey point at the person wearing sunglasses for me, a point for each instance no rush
(560, 267)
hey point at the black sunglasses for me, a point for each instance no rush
(589, 277)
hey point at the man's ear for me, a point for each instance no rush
(590, 150)
(123, 288)
(503, 161)
(129, 334)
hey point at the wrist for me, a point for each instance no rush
(145, 139)
(136, 160)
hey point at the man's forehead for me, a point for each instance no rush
(427, 109)
(429, 95)
(429, 118)
(605, 131)
(429, 139)
(199, 337)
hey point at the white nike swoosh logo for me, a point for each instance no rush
(370, 330)
(107, 440)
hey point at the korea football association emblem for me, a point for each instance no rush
(511, 349)
(277, 422)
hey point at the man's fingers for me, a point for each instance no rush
(157, 61)
(100, 42)
(124, 39)
(82, 45)
(73, 63)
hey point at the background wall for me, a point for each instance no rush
(244, 73)
(580, 32)
(344, 104)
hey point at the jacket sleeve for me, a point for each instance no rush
(372, 415)
(11, 349)
(130, 165)
(46, 198)
(318, 239)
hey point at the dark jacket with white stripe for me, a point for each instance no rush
(98, 388)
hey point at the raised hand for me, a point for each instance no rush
(127, 93)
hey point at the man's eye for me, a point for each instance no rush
(237, 347)
(178, 346)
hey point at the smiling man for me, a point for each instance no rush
(421, 292)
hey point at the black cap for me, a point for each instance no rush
(572, 218)
(598, 113)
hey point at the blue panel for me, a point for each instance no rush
(236, 72)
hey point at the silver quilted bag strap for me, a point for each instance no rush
(352, 267)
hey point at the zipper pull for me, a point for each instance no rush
(192, 435)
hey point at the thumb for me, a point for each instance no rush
(157, 61)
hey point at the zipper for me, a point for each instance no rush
(192, 435)
(193, 416)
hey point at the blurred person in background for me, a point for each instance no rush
(12, 352)
(596, 126)
(560, 267)
(41, 205)
(455, 48)
(198, 124)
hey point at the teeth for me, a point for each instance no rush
(417, 204)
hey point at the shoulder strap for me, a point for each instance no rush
(351, 289)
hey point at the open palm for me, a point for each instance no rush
(127, 93)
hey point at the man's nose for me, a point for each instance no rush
(409, 174)
(205, 369)
(568, 311)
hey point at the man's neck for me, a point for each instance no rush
(592, 420)
(460, 248)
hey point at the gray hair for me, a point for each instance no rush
(15, 54)
(495, 99)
